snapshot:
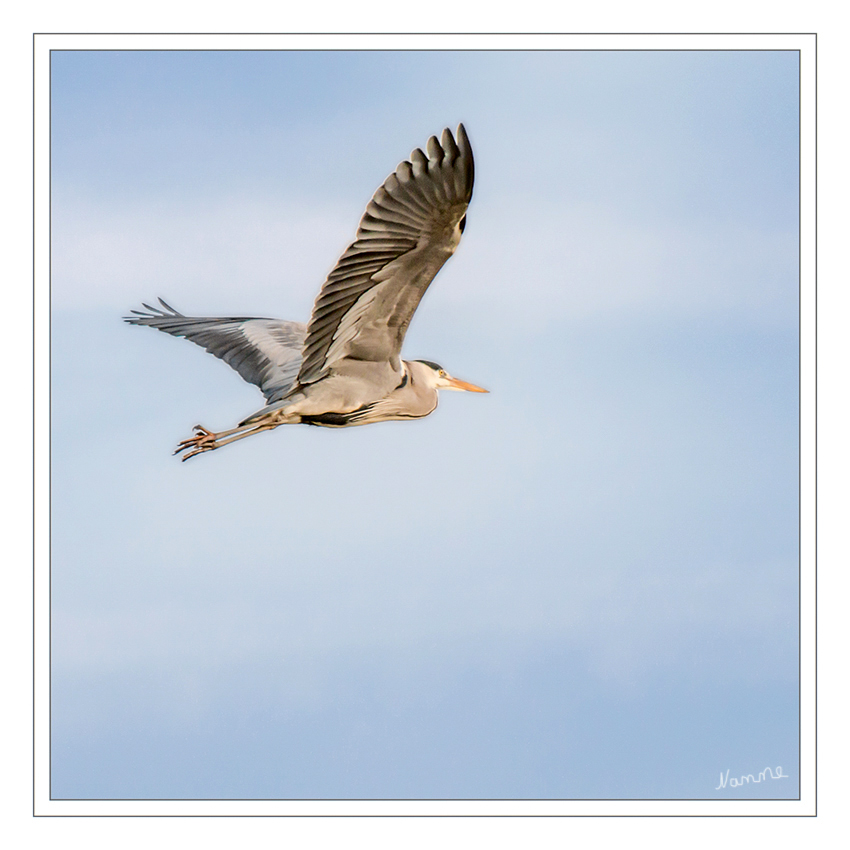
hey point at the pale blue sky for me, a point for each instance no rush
(581, 585)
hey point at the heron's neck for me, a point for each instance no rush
(418, 375)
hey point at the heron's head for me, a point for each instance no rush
(437, 377)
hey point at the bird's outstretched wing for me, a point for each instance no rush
(410, 228)
(265, 352)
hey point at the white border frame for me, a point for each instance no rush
(44, 806)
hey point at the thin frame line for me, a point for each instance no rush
(437, 50)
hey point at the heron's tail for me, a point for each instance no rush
(274, 407)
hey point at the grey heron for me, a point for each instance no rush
(344, 367)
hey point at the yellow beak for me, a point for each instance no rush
(457, 384)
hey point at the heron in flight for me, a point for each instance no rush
(344, 367)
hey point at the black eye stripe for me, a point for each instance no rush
(435, 366)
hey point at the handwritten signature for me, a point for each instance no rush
(734, 782)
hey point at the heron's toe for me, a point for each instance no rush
(202, 440)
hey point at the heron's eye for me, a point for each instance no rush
(442, 373)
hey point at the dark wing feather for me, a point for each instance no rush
(410, 228)
(265, 352)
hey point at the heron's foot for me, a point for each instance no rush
(202, 441)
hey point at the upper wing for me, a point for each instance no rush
(410, 228)
(265, 352)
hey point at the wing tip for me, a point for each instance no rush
(466, 154)
(154, 313)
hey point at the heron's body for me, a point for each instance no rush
(368, 394)
(344, 368)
